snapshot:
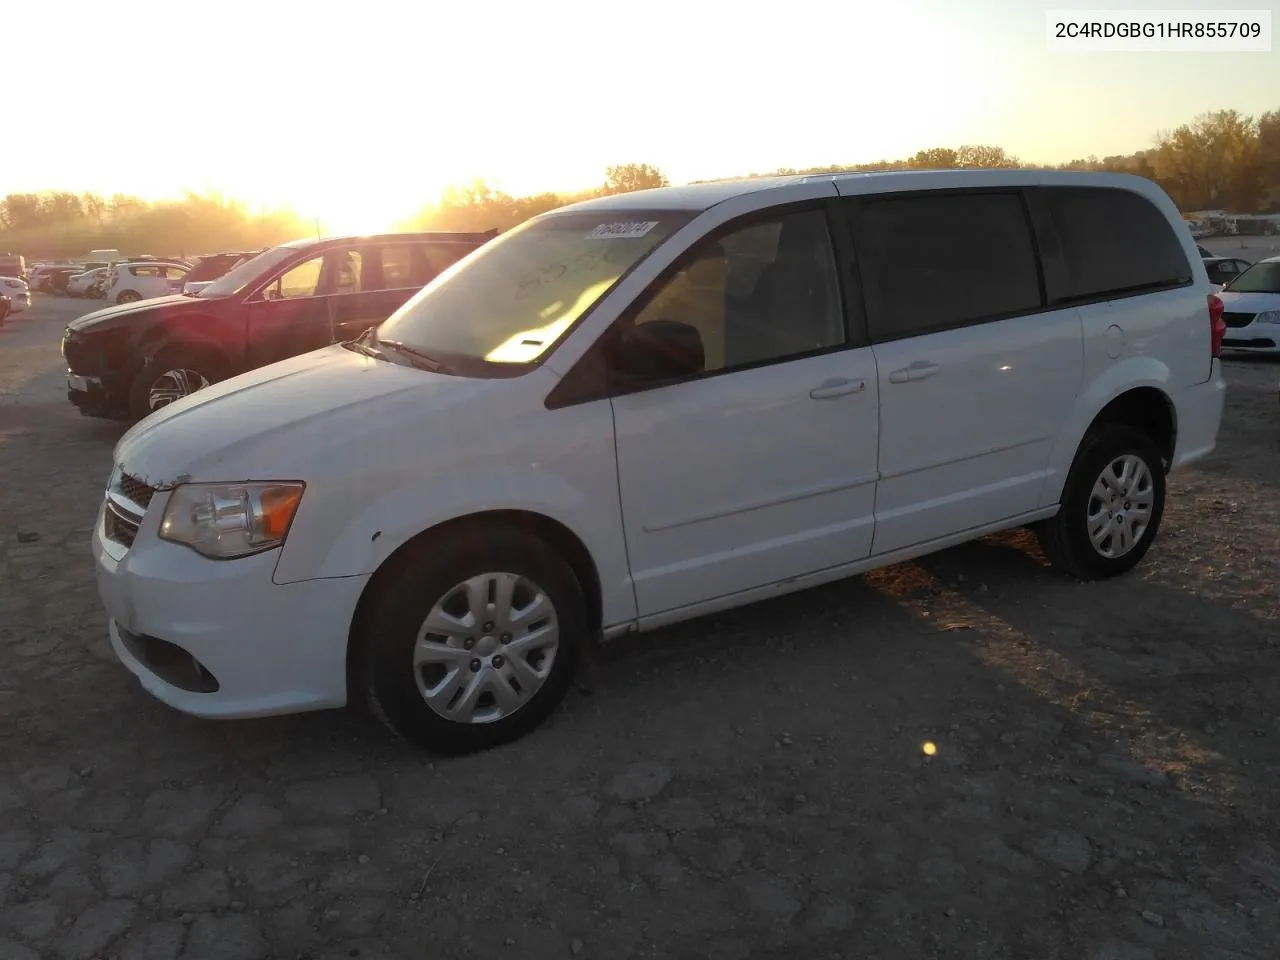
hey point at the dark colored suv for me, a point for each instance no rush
(125, 361)
(212, 266)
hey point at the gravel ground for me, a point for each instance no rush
(755, 784)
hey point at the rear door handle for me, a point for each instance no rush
(837, 387)
(917, 371)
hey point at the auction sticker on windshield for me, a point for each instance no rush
(628, 230)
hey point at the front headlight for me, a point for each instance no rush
(1267, 316)
(228, 520)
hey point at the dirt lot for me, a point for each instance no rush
(752, 785)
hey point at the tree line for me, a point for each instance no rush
(1221, 160)
(62, 224)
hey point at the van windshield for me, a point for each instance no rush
(515, 297)
(233, 281)
(1260, 278)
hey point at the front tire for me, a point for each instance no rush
(128, 296)
(472, 642)
(1112, 505)
(170, 376)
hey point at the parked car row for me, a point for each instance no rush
(130, 359)
(626, 413)
(18, 292)
(136, 278)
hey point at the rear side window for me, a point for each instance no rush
(936, 261)
(433, 259)
(1115, 242)
(397, 267)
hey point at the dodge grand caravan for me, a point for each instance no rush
(126, 361)
(642, 408)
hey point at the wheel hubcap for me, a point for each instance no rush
(174, 385)
(486, 648)
(1120, 506)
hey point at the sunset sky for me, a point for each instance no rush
(360, 112)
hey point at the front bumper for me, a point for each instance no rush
(1254, 338)
(95, 397)
(218, 639)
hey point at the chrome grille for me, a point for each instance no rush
(119, 524)
(1238, 319)
(126, 504)
(136, 490)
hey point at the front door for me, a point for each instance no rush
(290, 315)
(764, 467)
(976, 375)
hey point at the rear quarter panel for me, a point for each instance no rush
(1159, 340)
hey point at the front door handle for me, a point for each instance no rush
(917, 371)
(837, 387)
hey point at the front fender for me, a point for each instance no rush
(351, 524)
(201, 332)
(1121, 377)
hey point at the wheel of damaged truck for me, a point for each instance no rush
(170, 377)
(1111, 506)
(128, 296)
(471, 641)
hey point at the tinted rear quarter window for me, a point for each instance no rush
(936, 261)
(432, 259)
(1114, 242)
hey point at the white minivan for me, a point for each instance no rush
(643, 408)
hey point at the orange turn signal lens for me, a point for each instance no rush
(279, 503)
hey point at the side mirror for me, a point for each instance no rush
(659, 350)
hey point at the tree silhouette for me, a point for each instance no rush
(1221, 159)
(626, 177)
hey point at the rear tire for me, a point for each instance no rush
(1112, 505)
(398, 680)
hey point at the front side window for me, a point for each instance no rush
(939, 261)
(767, 291)
(300, 281)
(247, 273)
(519, 295)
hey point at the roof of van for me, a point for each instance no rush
(703, 196)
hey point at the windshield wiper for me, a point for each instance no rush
(364, 344)
(420, 357)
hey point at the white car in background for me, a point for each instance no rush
(142, 280)
(78, 285)
(18, 292)
(1251, 309)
